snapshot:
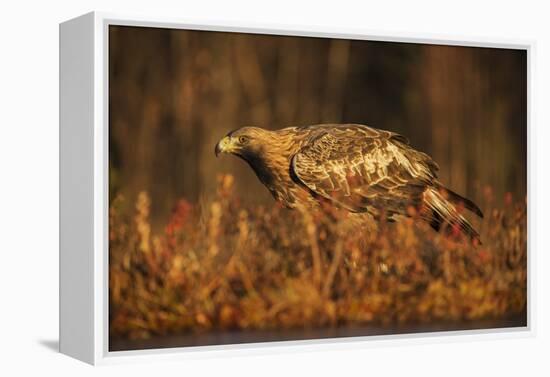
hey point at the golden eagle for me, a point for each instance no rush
(355, 167)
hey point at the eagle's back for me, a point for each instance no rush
(363, 169)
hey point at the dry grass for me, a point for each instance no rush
(223, 266)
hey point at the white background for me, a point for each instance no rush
(29, 185)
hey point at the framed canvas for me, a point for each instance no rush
(229, 189)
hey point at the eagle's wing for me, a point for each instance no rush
(363, 169)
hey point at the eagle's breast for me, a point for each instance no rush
(272, 167)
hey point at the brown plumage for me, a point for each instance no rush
(355, 167)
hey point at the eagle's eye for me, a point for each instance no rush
(243, 139)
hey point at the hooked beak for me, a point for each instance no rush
(225, 145)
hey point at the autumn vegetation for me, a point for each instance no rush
(220, 265)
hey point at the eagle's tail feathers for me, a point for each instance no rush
(442, 214)
(459, 199)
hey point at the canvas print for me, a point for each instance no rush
(266, 188)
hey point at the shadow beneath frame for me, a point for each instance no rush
(52, 345)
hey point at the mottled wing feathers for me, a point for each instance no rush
(363, 169)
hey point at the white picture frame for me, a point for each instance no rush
(84, 192)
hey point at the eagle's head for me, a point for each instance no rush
(245, 142)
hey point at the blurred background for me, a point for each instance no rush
(175, 93)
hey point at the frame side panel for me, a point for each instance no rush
(76, 195)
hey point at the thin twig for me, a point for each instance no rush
(315, 251)
(333, 268)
